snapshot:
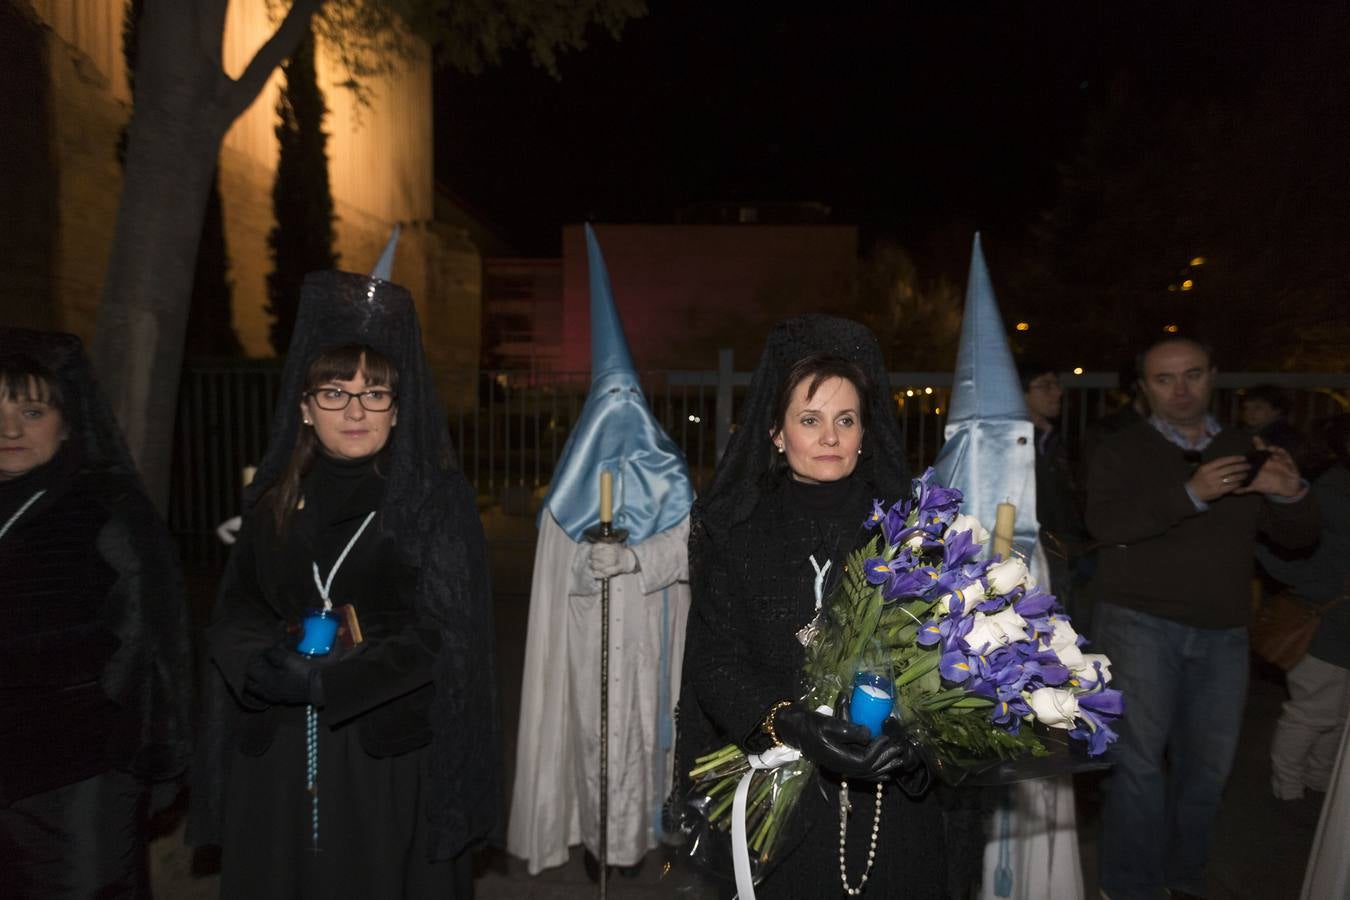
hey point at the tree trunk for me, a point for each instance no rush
(184, 104)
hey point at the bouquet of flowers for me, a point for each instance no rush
(985, 667)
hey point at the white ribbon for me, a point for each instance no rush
(740, 848)
(772, 758)
(325, 586)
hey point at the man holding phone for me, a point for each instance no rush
(1177, 502)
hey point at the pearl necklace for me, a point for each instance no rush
(844, 807)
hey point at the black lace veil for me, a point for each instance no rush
(746, 472)
(338, 308)
(88, 417)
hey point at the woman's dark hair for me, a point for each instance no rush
(339, 364)
(24, 379)
(820, 368)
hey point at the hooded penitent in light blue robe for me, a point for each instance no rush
(990, 454)
(554, 803)
(617, 432)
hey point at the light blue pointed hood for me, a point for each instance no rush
(384, 266)
(617, 432)
(990, 450)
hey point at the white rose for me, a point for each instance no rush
(1055, 707)
(998, 630)
(1086, 669)
(1005, 576)
(1064, 641)
(978, 533)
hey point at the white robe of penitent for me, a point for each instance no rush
(1033, 839)
(555, 802)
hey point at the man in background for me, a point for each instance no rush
(1177, 506)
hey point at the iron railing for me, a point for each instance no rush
(510, 438)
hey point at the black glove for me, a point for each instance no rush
(840, 746)
(912, 775)
(283, 677)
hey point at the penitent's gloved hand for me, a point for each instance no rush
(842, 747)
(608, 560)
(283, 677)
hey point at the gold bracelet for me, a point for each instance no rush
(767, 727)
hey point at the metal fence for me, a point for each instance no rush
(510, 439)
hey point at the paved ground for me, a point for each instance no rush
(1261, 845)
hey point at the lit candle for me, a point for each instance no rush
(606, 496)
(1003, 529)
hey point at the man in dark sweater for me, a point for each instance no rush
(1171, 500)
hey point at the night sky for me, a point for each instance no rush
(919, 121)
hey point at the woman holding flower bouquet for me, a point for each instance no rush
(816, 443)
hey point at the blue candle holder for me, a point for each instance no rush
(320, 628)
(872, 702)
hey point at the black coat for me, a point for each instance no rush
(384, 690)
(423, 675)
(742, 655)
(95, 668)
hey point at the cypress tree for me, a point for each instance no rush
(301, 241)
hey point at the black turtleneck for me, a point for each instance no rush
(332, 481)
(836, 510)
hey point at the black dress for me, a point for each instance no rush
(374, 731)
(742, 655)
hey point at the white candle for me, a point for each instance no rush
(1004, 520)
(606, 496)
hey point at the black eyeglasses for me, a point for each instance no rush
(333, 399)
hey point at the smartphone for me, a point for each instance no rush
(1256, 459)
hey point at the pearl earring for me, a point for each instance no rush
(780, 447)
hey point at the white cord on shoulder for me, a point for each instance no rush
(325, 586)
(22, 509)
(820, 578)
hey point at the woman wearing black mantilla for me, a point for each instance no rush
(816, 443)
(95, 672)
(369, 770)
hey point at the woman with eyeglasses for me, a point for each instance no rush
(361, 763)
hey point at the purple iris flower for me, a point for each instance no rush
(1009, 712)
(954, 666)
(960, 548)
(1106, 702)
(877, 570)
(875, 516)
(913, 583)
(929, 634)
(893, 524)
(1035, 604)
(1097, 710)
